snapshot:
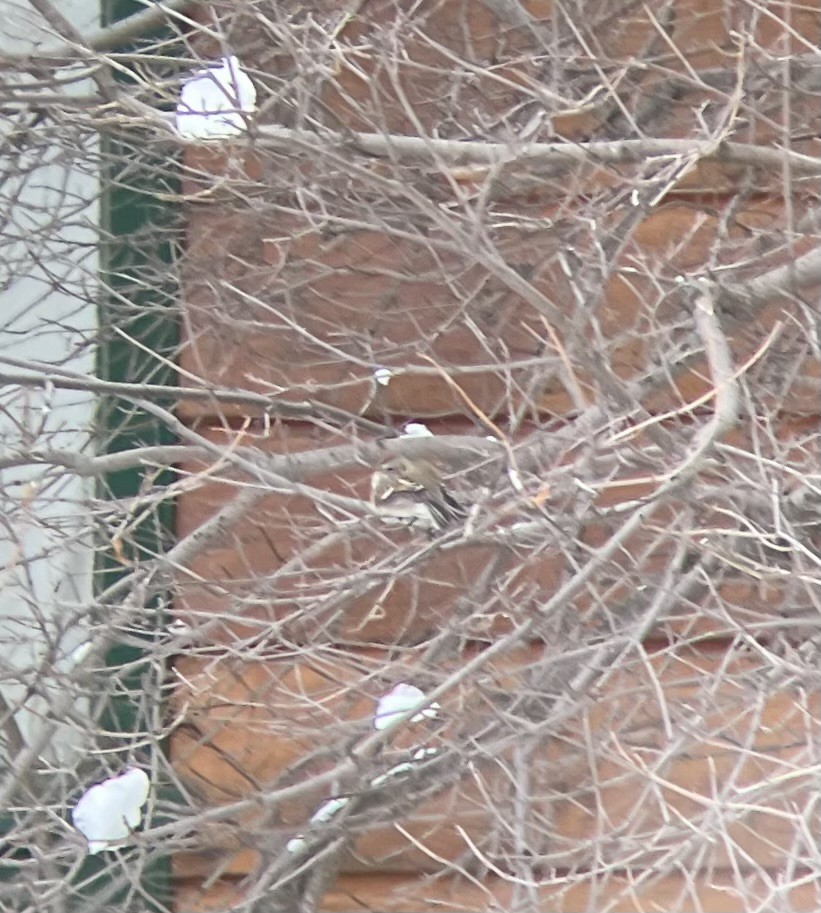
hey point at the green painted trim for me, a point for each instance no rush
(140, 231)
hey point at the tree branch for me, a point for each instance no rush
(560, 156)
(104, 39)
(44, 374)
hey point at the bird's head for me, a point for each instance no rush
(401, 474)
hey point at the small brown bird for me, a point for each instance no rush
(411, 489)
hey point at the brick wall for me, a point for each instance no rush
(645, 741)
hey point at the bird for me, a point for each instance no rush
(411, 489)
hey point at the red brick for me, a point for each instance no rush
(681, 737)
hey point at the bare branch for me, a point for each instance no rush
(105, 39)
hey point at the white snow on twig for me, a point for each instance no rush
(325, 812)
(397, 702)
(421, 754)
(107, 813)
(416, 429)
(383, 376)
(214, 103)
(78, 654)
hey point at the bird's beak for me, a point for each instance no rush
(401, 484)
